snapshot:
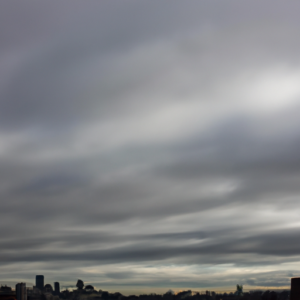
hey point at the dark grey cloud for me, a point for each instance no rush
(148, 144)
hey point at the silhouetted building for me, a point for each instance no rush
(6, 293)
(48, 288)
(56, 288)
(21, 292)
(34, 293)
(295, 288)
(39, 281)
(5, 289)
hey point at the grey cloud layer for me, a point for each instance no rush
(156, 138)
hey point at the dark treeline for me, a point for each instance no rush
(184, 295)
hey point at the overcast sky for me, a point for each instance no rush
(150, 145)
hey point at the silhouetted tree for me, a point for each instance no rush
(80, 284)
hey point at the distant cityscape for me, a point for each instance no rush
(42, 291)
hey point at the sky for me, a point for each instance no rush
(150, 145)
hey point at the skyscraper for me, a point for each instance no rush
(295, 288)
(56, 288)
(21, 292)
(39, 281)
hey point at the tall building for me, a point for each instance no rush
(21, 292)
(295, 288)
(39, 281)
(56, 288)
